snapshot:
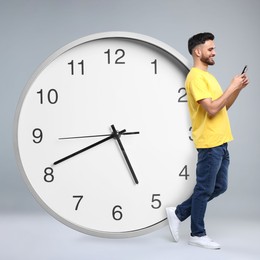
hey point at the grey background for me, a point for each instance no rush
(32, 30)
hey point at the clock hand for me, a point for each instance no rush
(117, 137)
(88, 147)
(88, 136)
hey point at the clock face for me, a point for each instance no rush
(102, 134)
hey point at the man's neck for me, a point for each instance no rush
(201, 66)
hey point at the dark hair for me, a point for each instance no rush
(199, 38)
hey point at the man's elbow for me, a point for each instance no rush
(212, 112)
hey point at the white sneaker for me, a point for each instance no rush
(174, 223)
(204, 242)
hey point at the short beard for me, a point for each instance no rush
(207, 61)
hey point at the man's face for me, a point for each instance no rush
(208, 52)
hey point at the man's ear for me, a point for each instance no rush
(197, 52)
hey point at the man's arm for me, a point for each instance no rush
(232, 99)
(228, 97)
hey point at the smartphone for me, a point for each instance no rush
(244, 70)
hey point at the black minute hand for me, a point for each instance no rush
(88, 147)
(116, 136)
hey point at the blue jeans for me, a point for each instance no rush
(212, 179)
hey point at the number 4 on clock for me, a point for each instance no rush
(184, 172)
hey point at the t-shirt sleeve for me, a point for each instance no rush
(199, 89)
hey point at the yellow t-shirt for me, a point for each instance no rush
(206, 131)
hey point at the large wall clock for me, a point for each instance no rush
(102, 134)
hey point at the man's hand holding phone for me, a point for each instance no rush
(245, 80)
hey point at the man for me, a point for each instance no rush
(211, 132)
